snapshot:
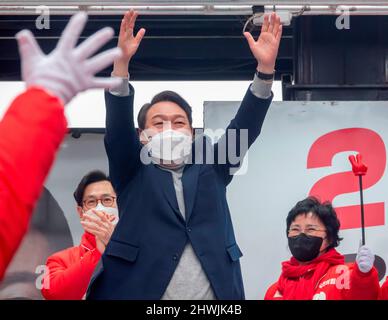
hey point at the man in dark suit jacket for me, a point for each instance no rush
(175, 238)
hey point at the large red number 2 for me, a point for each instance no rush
(372, 148)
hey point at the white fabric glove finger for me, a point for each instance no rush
(365, 259)
(93, 43)
(28, 47)
(365, 251)
(102, 60)
(106, 83)
(72, 32)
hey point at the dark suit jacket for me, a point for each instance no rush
(149, 239)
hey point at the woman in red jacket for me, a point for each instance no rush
(69, 271)
(34, 125)
(317, 271)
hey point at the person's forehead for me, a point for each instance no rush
(98, 188)
(165, 109)
(307, 219)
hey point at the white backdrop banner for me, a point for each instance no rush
(303, 150)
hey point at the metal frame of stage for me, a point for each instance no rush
(195, 7)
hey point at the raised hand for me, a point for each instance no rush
(100, 225)
(68, 70)
(266, 48)
(128, 42)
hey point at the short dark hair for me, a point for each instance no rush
(324, 211)
(89, 178)
(169, 96)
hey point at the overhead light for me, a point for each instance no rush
(285, 18)
(235, 7)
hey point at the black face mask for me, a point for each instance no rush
(305, 248)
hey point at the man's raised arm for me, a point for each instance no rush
(121, 140)
(246, 125)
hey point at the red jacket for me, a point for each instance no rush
(30, 134)
(384, 291)
(69, 271)
(327, 281)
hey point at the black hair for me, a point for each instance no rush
(324, 211)
(169, 96)
(89, 178)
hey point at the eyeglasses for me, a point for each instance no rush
(296, 231)
(106, 201)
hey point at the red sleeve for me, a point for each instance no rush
(384, 291)
(363, 286)
(30, 134)
(270, 294)
(69, 282)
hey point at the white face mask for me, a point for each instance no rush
(169, 147)
(108, 210)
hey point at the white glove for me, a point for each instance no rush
(67, 70)
(365, 259)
